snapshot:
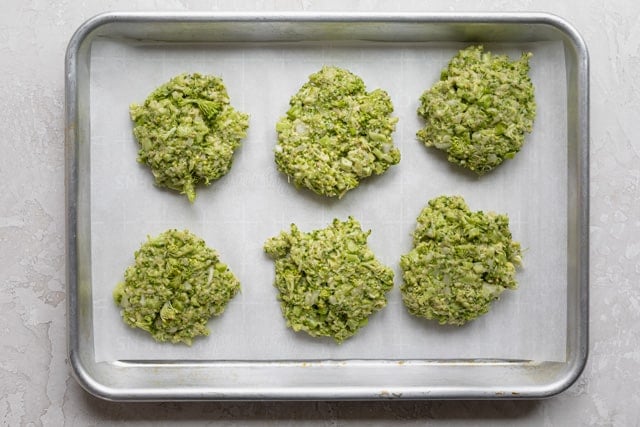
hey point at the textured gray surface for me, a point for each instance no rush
(35, 387)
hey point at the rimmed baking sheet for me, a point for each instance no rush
(254, 201)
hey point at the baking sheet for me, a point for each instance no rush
(253, 202)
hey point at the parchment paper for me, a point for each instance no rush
(254, 202)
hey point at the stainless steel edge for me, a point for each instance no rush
(578, 355)
(426, 17)
(71, 202)
(577, 361)
(71, 182)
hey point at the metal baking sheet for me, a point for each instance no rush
(532, 344)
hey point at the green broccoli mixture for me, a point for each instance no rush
(174, 287)
(336, 133)
(187, 132)
(329, 280)
(460, 263)
(480, 109)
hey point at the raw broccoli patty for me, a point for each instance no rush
(460, 263)
(329, 280)
(480, 109)
(187, 132)
(174, 287)
(336, 133)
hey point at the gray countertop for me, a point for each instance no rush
(35, 383)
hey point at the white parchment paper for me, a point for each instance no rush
(254, 202)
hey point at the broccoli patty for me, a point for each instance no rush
(174, 287)
(336, 133)
(460, 263)
(329, 280)
(480, 109)
(187, 132)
